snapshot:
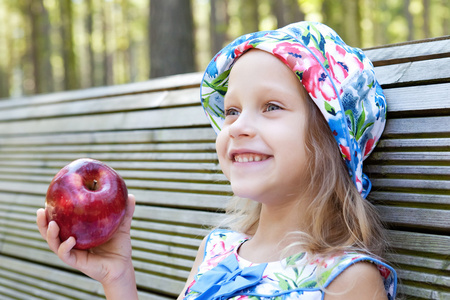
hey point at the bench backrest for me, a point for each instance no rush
(156, 136)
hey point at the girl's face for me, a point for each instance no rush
(261, 147)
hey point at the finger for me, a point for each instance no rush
(131, 206)
(126, 222)
(41, 221)
(130, 211)
(53, 236)
(64, 251)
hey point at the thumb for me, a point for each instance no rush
(131, 205)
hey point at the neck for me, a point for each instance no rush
(271, 237)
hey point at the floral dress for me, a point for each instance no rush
(223, 274)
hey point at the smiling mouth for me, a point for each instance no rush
(249, 157)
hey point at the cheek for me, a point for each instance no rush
(221, 149)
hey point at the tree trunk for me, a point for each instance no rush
(40, 46)
(249, 16)
(381, 24)
(426, 18)
(89, 21)
(333, 14)
(218, 25)
(108, 71)
(171, 37)
(278, 9)
(126, 49)
(351, 20)
(68, 54)
(446, 19)
(409, 19)
(4, 83)
(293, 12)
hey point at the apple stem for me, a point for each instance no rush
(94, 187)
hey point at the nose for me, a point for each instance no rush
(243, 126)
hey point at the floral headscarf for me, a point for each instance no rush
(340, 80)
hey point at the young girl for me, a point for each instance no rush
(296, 111)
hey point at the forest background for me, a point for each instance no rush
(55, 45)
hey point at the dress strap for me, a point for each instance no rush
(334, 266)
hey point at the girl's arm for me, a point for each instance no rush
(110, 263)
(359, 282)
(197, 262)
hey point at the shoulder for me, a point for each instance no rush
(358, 273)
(359, 281)
(218, 245)
(223, 240)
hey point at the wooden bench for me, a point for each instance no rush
(156, 136)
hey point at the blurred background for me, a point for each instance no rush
(55, 45)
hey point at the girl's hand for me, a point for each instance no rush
(110, 263)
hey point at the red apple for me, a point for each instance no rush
(87, 199)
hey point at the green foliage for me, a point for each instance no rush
(110, 40)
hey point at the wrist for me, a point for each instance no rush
(122, 286)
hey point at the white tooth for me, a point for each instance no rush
(245, 159)
(250, 158)
(257, 158)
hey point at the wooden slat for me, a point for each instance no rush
(167, 83)
(417, 276)
(122, 156)
(386, 197)
(411, 99)
(415, 143)
(113, 137)
(419, 261)
(417, 126)
(408, 216)
(56, 165)
(199, 218)
(170, 287)
(141, 174)
(31, 274)
(136, 176)
(409, 51)
(175, 117)
(420, 242)
(414, 72)
(104, 105)
(419, 170)
(116, 148)
(424, 293)
(412, 183)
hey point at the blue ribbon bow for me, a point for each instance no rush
(227, 278)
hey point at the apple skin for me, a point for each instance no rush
(90, 212)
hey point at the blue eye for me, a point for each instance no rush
(272, 107)
(231, 112)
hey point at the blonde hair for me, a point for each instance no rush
(339, 218)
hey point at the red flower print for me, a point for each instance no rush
(217, 254)
(190, 285)
(369, 146)
(242, 48)
(297, 57)
(385, 272)
(341, 62)
(318, 84)
(346, 151)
